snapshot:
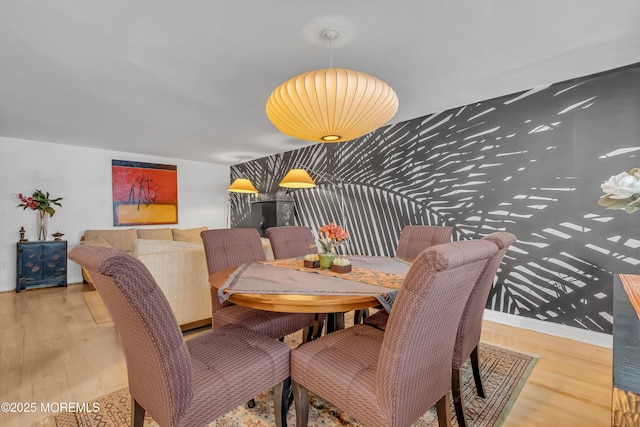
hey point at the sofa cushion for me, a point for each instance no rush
(119, 239)
(266, 247)
(98, 241)
(155, 233)
(188, 235)
(152, 246)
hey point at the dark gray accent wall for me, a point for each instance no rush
(530, 163)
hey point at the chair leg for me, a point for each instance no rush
(281, 402)
(456, 391)
(335, 322)
(475, 366)
(443, 408)
(312, 332)
(307, 334)
(318, 325)
(137, 413)
(360, 315)
(301, 400)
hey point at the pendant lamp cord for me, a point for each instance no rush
(330, 34)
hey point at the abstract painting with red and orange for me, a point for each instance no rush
(144, 193)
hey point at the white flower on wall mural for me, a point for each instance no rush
(622, 191)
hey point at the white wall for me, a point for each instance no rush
(82, 176)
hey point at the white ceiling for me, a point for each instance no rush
(189, 79)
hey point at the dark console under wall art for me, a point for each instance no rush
(530, 163)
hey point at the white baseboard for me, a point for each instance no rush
(582, 335)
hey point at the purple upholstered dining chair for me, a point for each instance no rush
(391, 378)
(228, 247)
(291, 241)
(416, 238)
(413, 240)
(470, 327)
(181, 383)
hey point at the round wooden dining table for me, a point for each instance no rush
(375, 276)
(293, 303)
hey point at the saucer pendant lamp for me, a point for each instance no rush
(297, 178)
(239, 185)
(242, 185)
(331, 105)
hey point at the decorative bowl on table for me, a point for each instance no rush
(341, 268)
(311, 261)
(341, 265)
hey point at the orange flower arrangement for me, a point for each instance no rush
(331, 236)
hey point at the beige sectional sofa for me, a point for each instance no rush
(176, 260)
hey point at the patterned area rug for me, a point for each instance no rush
(504, 373)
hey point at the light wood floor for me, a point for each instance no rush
(51, 350)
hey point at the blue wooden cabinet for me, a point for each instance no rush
(41, 263)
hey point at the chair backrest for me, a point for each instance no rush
(470, 327)
(158, 361)
(226, 247)
(414, 368)
(416, 238)
(291, 241)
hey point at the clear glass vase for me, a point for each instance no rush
(41, 225)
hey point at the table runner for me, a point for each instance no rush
(631, 285)
(357, 274)
(289, 276)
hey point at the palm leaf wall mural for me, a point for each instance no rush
(529, 163)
